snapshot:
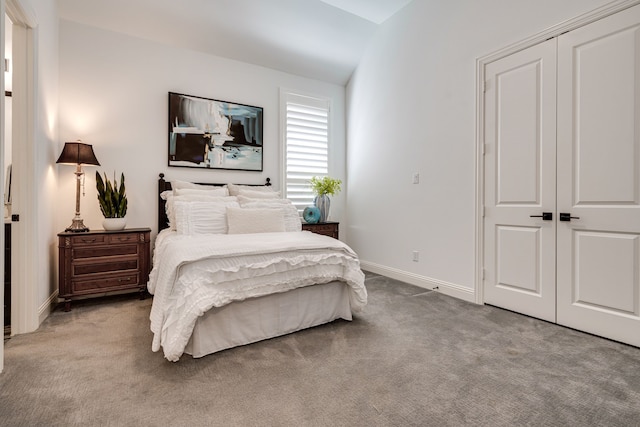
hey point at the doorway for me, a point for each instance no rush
(6, 166)
(24, 301)
(561, 196)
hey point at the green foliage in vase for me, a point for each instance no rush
(112, 198)
(325, 185)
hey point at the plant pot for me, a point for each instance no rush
(114, 224)
(323, 203)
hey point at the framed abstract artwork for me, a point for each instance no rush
(212, 134)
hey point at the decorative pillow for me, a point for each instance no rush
(243, 200)
(244, 221)
(211, 191)
(259, 194)
(201, 217)
(178, 185)
(291, 216)
(202, 196)
(234, 189)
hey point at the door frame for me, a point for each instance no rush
(24, 315)
(2, 126)
(554, 31)
(24, 290)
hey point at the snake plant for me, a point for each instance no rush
(112, 199)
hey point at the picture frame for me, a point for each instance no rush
(208, 133)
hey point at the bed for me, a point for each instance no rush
(232, 266)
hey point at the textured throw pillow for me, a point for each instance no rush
(198, 196)
(292, 220)
(259, 194)
(199, 215)
(245, 221)
(234, 189)
(197, 193)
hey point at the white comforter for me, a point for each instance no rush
(192, 274)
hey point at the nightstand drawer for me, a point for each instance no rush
(326, 228)
(80, 269)
(104, 251)
(104, 283)
(123, 238)
(94, 239)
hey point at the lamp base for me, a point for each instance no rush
(77, 226)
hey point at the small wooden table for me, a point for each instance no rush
(329, 228)
(99, 262)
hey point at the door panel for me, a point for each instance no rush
(606, 258)
(517, 130)
(598, 276)
(520, 114)
(518, 258)
(605, 94)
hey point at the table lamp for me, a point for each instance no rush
(77, 153)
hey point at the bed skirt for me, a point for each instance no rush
(261, 318)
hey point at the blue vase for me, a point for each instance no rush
(323, 203)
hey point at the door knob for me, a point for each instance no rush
(567, 216)
(546, 216)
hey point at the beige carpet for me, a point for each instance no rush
(413, 358)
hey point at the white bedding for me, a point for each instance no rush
(191, 274)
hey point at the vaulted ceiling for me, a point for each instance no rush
(320, 39)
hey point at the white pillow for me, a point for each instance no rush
(234, 189)
(201, 217)
(177, 185)
(201, 196)
(244, 221)
(292, 220)
(212, 191)
(259, 194)
(242, 199)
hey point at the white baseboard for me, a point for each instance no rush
(450, 289)
(45, 309)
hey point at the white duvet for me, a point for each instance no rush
(192, 274)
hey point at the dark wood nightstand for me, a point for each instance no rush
(328, 228)
(98, 262)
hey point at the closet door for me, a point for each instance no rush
(598, 276)
(520, 182)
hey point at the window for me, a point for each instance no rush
(306, 141)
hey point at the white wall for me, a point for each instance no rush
(36, 229)
(114, 95)
(411, 108)
(46, 143)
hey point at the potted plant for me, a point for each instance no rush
(323, 188)
(113, 201)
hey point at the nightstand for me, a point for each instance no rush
(96, 263)
(328, 228)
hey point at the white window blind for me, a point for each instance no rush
(306, 146)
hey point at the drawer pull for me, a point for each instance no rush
(125, 279)
(88, 240)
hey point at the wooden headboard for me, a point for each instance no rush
(163, 221)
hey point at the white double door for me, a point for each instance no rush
(562, 179)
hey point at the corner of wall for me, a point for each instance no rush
(446, 288)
